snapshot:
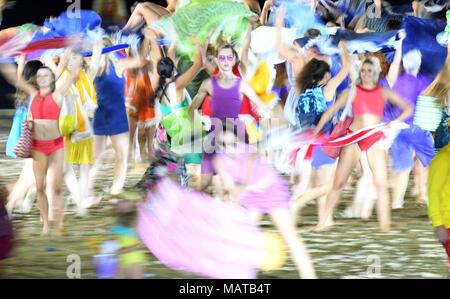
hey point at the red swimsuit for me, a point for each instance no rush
(368, 101)
(46, 108)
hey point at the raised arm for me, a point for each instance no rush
(183, 81)
(62, 63)
(394, 69)
(330, 89)
(244, 53)
(287, 53)
(9, 71)
(328, 114)
(203, 91)
(395, 99)
(94, 65)
(265, 11)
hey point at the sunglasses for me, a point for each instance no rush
(222, 58)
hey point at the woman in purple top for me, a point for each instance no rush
(226, 91)
(413, 141)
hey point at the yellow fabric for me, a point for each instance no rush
(81, 152)
(84, 88)
(137, 256)
(260, 83)
(276, 253)
(439, 188)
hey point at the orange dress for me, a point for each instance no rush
(139, 91)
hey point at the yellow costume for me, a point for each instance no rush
(439, 188)
(80, 152)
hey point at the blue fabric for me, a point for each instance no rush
(442, 137)
(16, 130)
(298, 16)
(421, 35)
(71, 24)
(319, 158)
(413, 140)
(110, 118)
(123, 230)
(311, 105)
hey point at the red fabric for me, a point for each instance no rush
(447, 248)
(338, 131)
(48, 147)
(54, 43)
(246, 107)
(45, 107)
(367, 143)
(368, 101)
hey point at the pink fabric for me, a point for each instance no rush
(194, 232)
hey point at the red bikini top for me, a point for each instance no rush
(368, 101)
(44, 107)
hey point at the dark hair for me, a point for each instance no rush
(29, 75)
(312, 32)
(312, 73)
(165, 69)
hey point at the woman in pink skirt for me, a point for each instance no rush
(255, 184)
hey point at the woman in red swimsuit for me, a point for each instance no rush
(368, 105)
(48, 144)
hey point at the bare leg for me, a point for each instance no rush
(71, 181)
(347, 160)
(205, 181)
(304, 179)
(54, 181)
(400, 184)
(323, 180)
(136, 271)
(21, 187)
(133, 128)
(145, 12)
(283, 221)
(120, 146)
(150, 133)
(84, 191)
(365, 192)
(99, 152)
(377, 162)
(422, 180)
(40, 164)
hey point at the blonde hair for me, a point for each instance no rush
(440, 87)
(375, 63)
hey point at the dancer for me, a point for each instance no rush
(141, 111)
(317, 91)
(48, 144)
(110, 118)
(79, 148)
(257, 187)
(413, 141)
(171, 98)
(439, 198)
(226, 91)
(367, 104)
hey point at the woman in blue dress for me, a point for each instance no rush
(110, 118)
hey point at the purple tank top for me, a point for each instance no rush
(225, 103)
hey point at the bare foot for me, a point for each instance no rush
(45, 231)
(91, 201)
(321, 228)
(384, 228)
